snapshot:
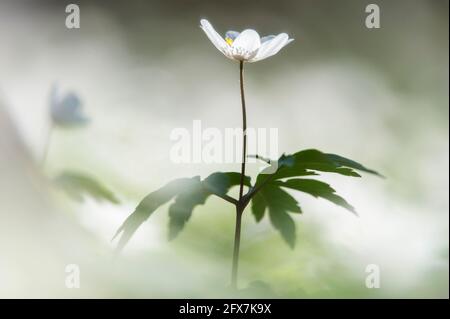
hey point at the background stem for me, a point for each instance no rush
(47, 144)
(239, 206)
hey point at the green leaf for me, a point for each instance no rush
(217, 183)
(267, 194)
(181, 210)
(188, 193)
(259, 206)
(342, 161)
(149, 204)
(279, 199)
(316, 189)
(220, 183)
(315, 160)
(279, 203)
(307, 163)
(276, 168)
(318, 161)
(76, 184)
(284, 224)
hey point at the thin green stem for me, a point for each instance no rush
(237, 242)
(239, 206)
(47, 144)
(244, 129)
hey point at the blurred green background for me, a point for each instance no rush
(142, 68)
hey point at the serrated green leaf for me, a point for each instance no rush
(318, 161)
(307, 163)
(280, 199)
(149, 204)
(181, 210)
(294, 171)
(342, 161)
(304, 163)
(76, 184)
(220, 183)
(284, 224)
(258, 206)
(188, 193)
(316, 189)
(279, 203)
(217, 183)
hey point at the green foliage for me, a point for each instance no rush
(283, 174)
(279, 203)
(316, 189)
(267, 194)
(309, 162)
(77, 184)
(188, 193)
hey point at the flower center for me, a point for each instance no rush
(229, 41)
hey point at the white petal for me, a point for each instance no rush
(267, 38)
(272, 47)
(214, 37)
(248, 41)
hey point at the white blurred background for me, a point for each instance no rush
(143, 68)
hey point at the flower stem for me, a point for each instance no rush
(244, 129)
(237, 242)
(240, 206)
(47, 144)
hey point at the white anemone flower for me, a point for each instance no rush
(66, 109)
(246, 46)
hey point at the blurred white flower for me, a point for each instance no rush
(66, 109)
(246, 46)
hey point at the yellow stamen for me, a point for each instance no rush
(229, 41)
